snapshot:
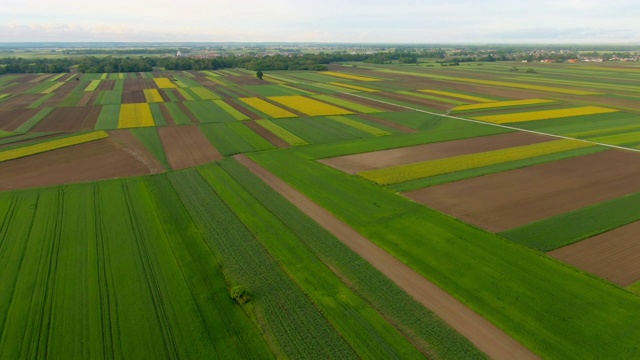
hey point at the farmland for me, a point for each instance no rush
(369, 211)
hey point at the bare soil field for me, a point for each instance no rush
(513, 198)
(106, 85)
(188, 113)
(267, 135)
(245, 80)
(87, 99)
(69, 119)
(613, 255)
(166, 114)
(133, 96)
(137, 149)
(11, 119)
(488, 338)
(353, 164)
(20, 101)
(101, 159)
(138, 85)
(186, 146)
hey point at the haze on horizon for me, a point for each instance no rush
(374, 21)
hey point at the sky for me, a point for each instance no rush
(347, 21)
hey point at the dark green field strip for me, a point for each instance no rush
(208, 112)
(229, 142)
(38, 88)
(177, 114)
(366, 331)
(72, 99)
(151, 140)
(27, 125)
(493, 169)
(188, 81)
(376, 125)
(158, 118)
(425, 330)
(567, 228)
(109, 97)
(372, 96)
(226, 326)
(4, 134)
(554, 310)
(170, 95)
(320, 130)
(108, 118)
(296, 327)
(251, 137)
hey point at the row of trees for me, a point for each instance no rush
(20, 65)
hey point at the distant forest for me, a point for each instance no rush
(92, 64)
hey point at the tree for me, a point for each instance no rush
(259, 74)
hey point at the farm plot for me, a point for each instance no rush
(267, 108)
(164, 83)
(209, 111)
(545, 114)
(309, 106)
(502, 104)
(408, 172)
(458, 95)
(96, 160)
(353, 164)
(360, 108)
(69, 119)
(186, 146)
(321, 129)
(613, 255)
(152, 96)
(135, 115)
(514, 198)
(234, 138)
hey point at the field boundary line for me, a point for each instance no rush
(482, 333)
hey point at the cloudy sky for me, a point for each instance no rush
(373, 21)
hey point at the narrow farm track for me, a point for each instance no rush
(488, 338)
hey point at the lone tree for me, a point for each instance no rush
(259, 74)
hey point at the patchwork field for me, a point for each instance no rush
(344, 214)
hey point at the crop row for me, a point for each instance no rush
(545, 114)
(457, 95)
(402, 173)
(299, 330)
(282, 133)
(268, 108)
(501, 104)
(51, 145)
(309, 106)
(298, 237)
(349, 76)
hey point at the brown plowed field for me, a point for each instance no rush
(138, 85)
(188, 113)
(415, 100)
(167, 115)
(385, 158)
(88, 99)
(69, 119)
(20, 101)
(387, 123)
(613, 255)
(513, 198)
(267, 135)
(484, 335)
(245, 80)
(186, 146)
(12, 119)
(133, 96)
(101, 159)
(137, 150)
(106, 85)
(369, 102)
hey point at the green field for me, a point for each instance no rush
(105, 254)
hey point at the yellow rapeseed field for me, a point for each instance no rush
(459, 96)
(282, 133)
(545, 114)
(354, 87)
(53, 87)
(402, 173)
(204, 93)
(51, 145)
(268, 108)
(164, 83)
(349, 76)
(135, 115)
(153, 95)
(309, 106)
(500, 104)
